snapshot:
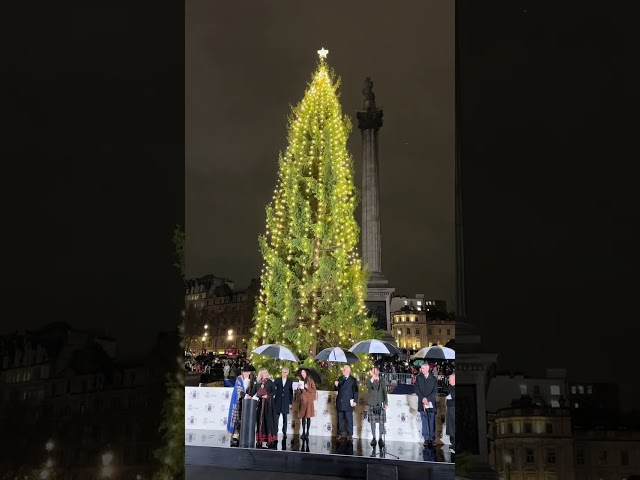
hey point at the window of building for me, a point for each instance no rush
(417, 331)
(429, 331)
(573, 389)
(555, 389)
(509, 427)
(419, 302)
(548, 427)
(405, 302)
(448, 331)
(580, 390)
(589, 390)
(523, 389)
(528, 428)
(603, 457)
(551, 455)
(408, 331)
(624, 458)
(575, 405)
(536, 389)
(555, 404)
(530, 455)
(580, 457)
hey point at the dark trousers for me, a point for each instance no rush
(429, 424)
(345, 416)
(284, 422)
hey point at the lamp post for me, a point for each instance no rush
(507, 465)
(230, 338)
(107, 468)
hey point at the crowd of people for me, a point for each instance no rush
(274, 397)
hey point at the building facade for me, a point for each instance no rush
(532, 443)
(414, 329)
(218, 317)
(51, 377)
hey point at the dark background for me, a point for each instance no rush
(93, 176)
(246, 63)
(548, 125)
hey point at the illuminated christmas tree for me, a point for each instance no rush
(313, 285)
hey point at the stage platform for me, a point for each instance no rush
(207, 454)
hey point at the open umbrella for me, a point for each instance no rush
(374, 346)
(435, 353)
(337, 354)
(317, 378)
(276, 351)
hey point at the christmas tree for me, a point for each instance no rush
(313, 285)
(171, 454)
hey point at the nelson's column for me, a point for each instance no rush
(379, 293)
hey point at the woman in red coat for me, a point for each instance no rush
(306, 395)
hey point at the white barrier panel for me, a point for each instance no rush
(207, 408)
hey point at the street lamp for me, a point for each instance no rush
(49, 446)
(507, 465)
(107, 468)
(206, 326)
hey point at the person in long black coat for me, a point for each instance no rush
(283, 399)
(450, 418)
(346, 400)
(427, 390)
(264, 390)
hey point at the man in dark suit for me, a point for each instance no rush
(427, 390)
(283, 400)
(347, 398)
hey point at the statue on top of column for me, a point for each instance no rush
(368, 90)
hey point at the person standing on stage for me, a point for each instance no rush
(377, 405)
(283, 400)
(264, 390)
(346, 400)
(244, 383)
(427, 390)
(451, 412)
(307, 395)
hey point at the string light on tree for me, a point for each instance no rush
(312, 284)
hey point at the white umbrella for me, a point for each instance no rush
(337, 354)
(375, 346)
(276, 351)
(435, 353)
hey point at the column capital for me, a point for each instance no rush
(370, 119)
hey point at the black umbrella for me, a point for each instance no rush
(311, 373)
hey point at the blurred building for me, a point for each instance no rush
(218, 317)
(530, 442)
(418, 302)
(51, 377)
(415, 329)
(549, 428)
(549, 391)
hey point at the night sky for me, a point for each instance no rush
(548, 122)
(247, 62)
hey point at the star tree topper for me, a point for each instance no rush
(323, 52)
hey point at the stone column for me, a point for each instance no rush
(378, 293)
(369, 123)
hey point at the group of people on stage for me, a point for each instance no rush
(274, 398)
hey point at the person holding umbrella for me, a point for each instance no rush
(347, 387)
(306, 396)
(377, 404)
(427, 390)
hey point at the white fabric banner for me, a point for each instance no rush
(207, 408)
